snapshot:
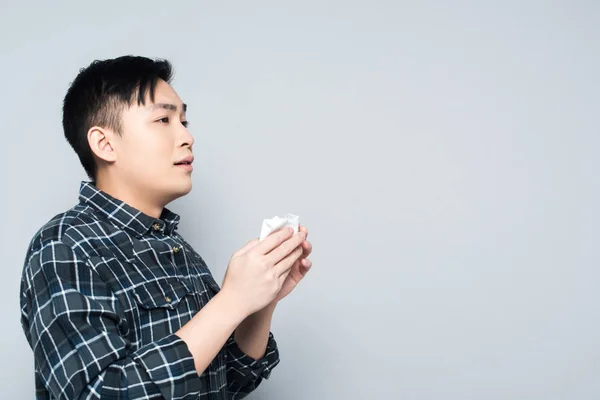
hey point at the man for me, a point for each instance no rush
(115, 304)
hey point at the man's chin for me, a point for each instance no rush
(180, 191)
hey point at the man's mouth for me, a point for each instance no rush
(186, 161)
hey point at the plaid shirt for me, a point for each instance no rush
(104, 288)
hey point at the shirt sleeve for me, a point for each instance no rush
(71, 320)
(244, 373)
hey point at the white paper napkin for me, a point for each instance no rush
(271, 225)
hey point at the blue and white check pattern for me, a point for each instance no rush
(104, 288)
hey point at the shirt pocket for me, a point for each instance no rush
(163, 293)
(164, 305)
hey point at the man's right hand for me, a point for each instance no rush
(257, 271)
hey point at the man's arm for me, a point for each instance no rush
(252, 353)
(73, 324)
(252, 335)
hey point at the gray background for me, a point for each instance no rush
(443, 157)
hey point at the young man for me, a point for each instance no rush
(115, 304)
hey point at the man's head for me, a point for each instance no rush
(128, 127)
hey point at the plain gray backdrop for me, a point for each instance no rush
(443, 155)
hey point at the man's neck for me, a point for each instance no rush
(130, 195)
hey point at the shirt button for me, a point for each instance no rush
(156, 227)
(176, 249)
(168, 299)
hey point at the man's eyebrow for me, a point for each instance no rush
(167, 106)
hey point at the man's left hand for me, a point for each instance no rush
(298, 270)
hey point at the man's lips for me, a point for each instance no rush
(186, 161)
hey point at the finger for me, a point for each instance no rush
(306, 263)
(295, 265)
(246, 247)
(286, 264)
(274, 240)
(302, 228)
(307, 247)
(286, 248)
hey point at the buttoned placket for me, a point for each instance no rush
(181, 262)
(191, 276)
(176, 251)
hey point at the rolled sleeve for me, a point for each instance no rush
(244, 373)
(170, 366)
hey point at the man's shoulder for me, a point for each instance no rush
(71, 228)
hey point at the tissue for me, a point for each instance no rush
(271, 225)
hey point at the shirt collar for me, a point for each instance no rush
(123, 215)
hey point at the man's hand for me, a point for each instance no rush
(299, 268)
(257, 272)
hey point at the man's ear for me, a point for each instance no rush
(102, 142)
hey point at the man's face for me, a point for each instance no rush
(154, 141)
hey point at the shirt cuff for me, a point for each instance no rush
(245, 364)
(170, 365)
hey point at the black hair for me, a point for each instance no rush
(99, 94)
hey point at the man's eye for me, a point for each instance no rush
(185, 123)
(164, 120)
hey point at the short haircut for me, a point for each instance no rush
(100, 93)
